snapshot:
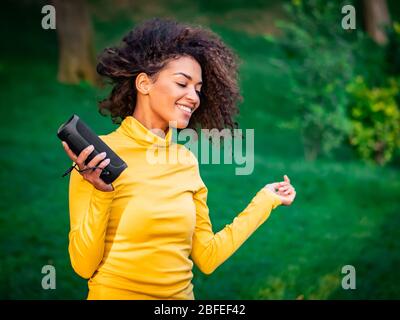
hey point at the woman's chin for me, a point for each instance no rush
(179, 123)
(183, 126)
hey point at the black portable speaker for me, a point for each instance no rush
(78, 136)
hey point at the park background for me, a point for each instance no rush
(324, 103)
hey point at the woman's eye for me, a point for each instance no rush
(184, 85)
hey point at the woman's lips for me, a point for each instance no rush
(186, 110)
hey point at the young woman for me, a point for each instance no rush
(138, 237)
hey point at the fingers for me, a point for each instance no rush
(289, 191)
(100, 167)
(97, 159)
(98, 162)
(286, 181)
(69, 152)
(286, 190)
(283, 187)
(80, 161)
(83, 155)
(275, 185)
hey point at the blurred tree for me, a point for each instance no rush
(377, 17)
(319, 61)
(375, 118)
(75, 37)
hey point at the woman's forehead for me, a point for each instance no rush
(185, 66)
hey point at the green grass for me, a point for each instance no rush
(345, 213)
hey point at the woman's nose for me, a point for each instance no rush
(193, 96)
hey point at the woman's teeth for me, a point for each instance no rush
(187, 109)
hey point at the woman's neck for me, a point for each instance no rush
(150, 121)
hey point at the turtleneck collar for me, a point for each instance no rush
(131, 127)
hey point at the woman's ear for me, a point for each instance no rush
(143, 83)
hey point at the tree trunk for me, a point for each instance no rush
(376, 16)
(379, 152)
(311, 142)
(76, 50)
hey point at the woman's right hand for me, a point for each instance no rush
(93, 176)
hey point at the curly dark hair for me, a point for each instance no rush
(149, 47)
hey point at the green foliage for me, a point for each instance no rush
(375, 120)
(321, 60)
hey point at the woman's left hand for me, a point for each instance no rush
(284, 190)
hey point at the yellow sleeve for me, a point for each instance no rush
(210, 250)
(89, 213)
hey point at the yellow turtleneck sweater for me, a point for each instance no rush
(136, 241)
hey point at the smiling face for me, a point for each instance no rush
(173, 96)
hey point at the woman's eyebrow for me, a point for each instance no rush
(187, 76)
